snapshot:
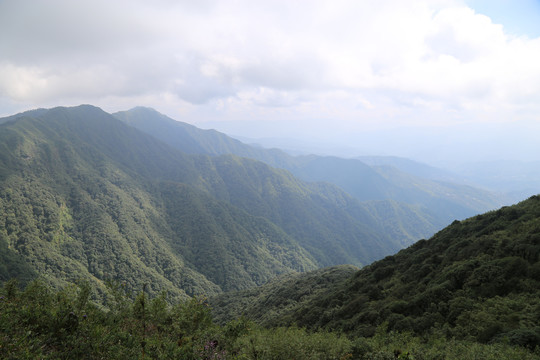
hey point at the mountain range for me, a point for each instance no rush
(140, 201)
(87, 196)
(436, 196)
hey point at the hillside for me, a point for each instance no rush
(411, 167)
(265, 304)
(72, 210)
(38, 322)
(437, 203)
(84, 195)
(478, 279)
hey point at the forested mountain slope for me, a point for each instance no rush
(84, 195)
(436, 203)
(266, 304)
(412, 167)
(75, 205)
(477, 279)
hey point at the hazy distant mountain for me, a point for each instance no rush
(406, 181)
(476, 279)
(512, 180)
(84, 195)
(412, 167)
(519, 179)
(192, 140)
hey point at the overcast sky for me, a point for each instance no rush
(429, 79)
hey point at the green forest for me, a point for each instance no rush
(117, 244)
(424, 205)
(84, 195)
(476, 280)
(40, 323)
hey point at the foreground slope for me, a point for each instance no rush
(476, 279)
(267, 303)
(44, 323)
(84, 195)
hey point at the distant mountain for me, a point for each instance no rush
(519, 179)
(84, 195)
(407, 182)
(476, 279)
(192, 140)
(412, 167)
(511, 180)
(444, 201)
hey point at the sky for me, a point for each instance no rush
(433, 80)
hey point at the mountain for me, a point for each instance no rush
(266, 304)
(412, 167)
(511, 180)
(407, 182)
(29, 113)
(518, 179)
(478, 279)
(192, 140)
(445, 201)
(86, 196)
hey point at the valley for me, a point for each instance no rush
(134, 206)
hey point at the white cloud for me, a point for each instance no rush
(349, 61)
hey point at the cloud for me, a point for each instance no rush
(367, 59)
(59, 30)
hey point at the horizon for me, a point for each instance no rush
(441, 81)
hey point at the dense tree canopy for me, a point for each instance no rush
(39, 323)
(478, 279)
(85, 196)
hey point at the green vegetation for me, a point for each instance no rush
(85, 196)
(39, 323)
(146, 230)
(265, 304)
(477, 280)
(428, 204)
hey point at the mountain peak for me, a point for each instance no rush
(144, 109)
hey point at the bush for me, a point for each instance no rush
(528, 338)
(292, 343)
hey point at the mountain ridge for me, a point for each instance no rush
(86, 195)
(439, 200)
